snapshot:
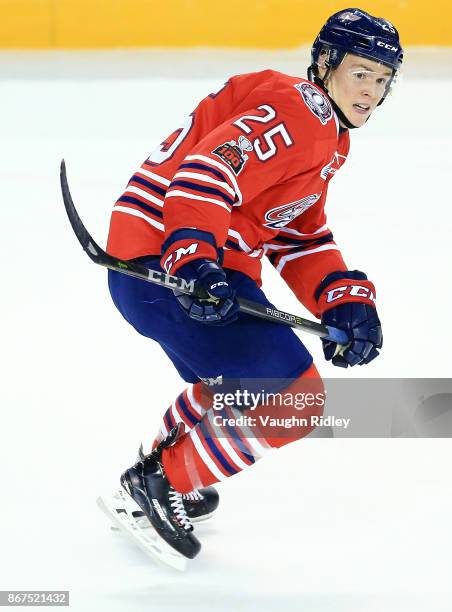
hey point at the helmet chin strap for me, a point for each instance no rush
(318, 81)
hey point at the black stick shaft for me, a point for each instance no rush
(131, 268)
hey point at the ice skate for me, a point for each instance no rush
(149, 499)
(199, 504)
(148, 486)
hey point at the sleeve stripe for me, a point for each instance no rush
(224, 169)
(300, 244)
(153, 176)
(307, 244)
(141, 181)
(205, 179)
(236, 243)
(288, 230)
(276, 247)
(206, 168)
(235, 234)
(129, 200)
(293, 242)
(232, 245)
(184, 194)
(138, 213)
(202, 188)
(145, 195)
(286, 258)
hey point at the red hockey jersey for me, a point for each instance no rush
(251, 166)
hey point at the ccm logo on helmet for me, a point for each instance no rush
(178, 254)
(386, 46)
(352, 290)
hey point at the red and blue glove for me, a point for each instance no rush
(192, 255)
(347, 300)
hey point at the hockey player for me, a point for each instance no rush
(246, 176)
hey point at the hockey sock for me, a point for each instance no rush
(225, 441)
(188, 408)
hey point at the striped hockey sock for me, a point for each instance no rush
(188, 408)
(224, 442)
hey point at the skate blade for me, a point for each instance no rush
(143, 523)
(119, 508)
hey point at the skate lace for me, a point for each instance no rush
(194, 495)
(177, 504)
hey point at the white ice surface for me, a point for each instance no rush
(322, 525)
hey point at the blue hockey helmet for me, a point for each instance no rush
(355, 31)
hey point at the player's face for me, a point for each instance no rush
(357, 86)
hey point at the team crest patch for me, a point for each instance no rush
(233, 153)
(282, 215)
(317, 103)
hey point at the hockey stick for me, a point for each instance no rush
(131, 268)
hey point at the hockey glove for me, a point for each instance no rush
(347, 300)
(192, 255)
(221, 308)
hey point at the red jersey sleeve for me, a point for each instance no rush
(304, 251)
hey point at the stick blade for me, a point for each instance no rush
(92, 249)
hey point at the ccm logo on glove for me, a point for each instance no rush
(180, 249)
(220, 284)
(358, 291)
(345, 290)
(177, 255)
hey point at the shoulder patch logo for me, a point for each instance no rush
(282, 215)
(317, 103)
(232, 153)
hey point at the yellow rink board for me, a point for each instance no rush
(269, 24)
